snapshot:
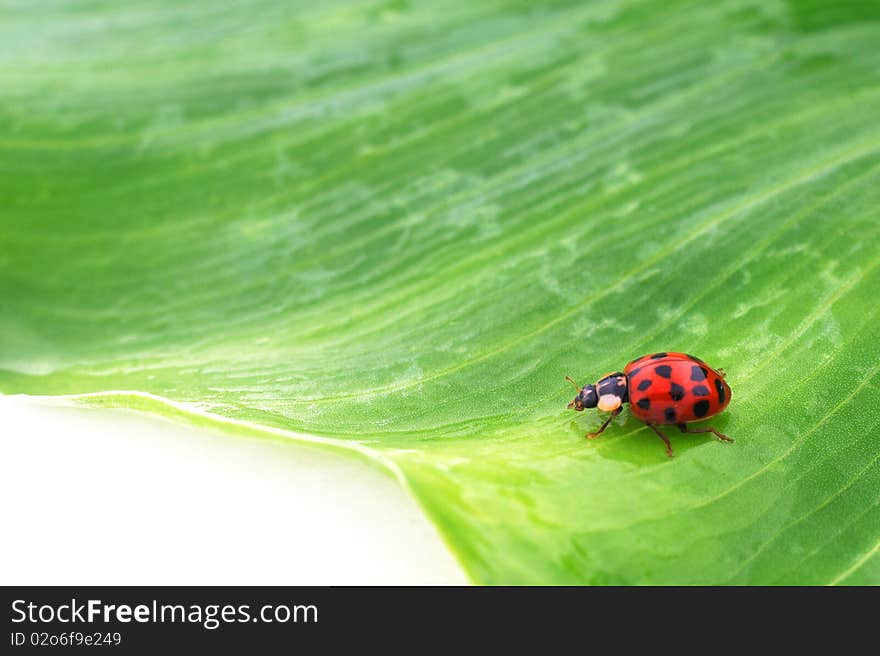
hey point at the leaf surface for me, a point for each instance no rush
(397, 225)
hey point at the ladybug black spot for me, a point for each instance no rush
(719, 387)
(701, 408)
(694, 358)
(700, 390)
(644, 404)
(676, 392)
(669, 415)
(698, 373)
(645, 384)
(663, 370)
(657, 356)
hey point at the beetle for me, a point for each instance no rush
(665, 388)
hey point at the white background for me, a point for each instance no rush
(108, 497)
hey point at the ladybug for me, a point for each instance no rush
(662, 389)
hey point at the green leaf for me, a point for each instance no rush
(393, 227)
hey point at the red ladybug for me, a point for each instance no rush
(662, 388)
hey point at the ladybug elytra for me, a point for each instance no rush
(662, 389)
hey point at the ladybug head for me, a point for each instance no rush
(586, 398)
(612, 391)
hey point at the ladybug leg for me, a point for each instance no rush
(684, 429)
(664, 438)
(595, 434)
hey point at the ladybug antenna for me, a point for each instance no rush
(576, 386)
